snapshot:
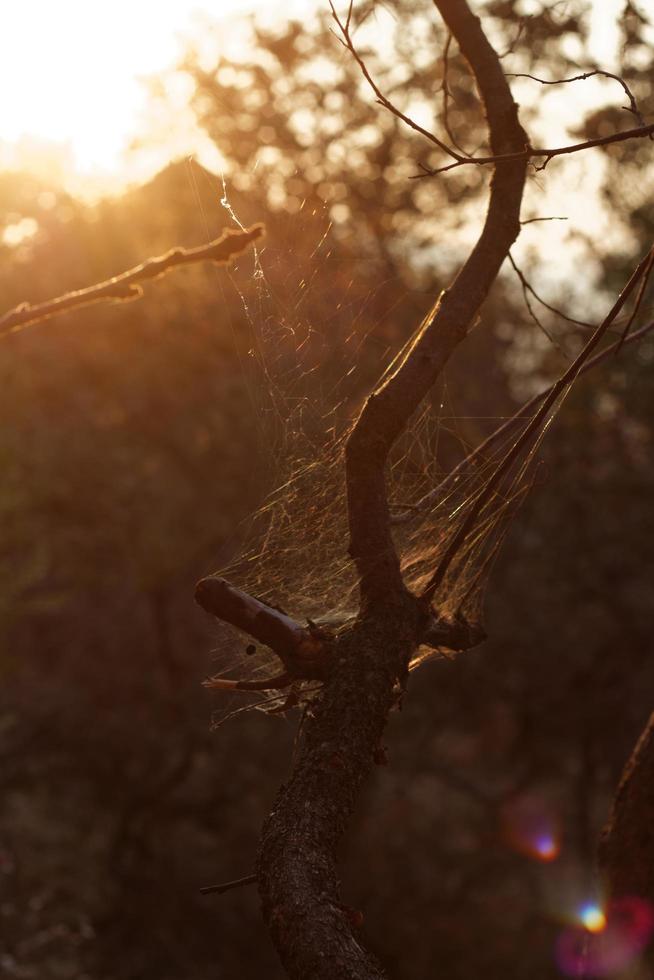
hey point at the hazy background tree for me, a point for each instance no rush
(133, 444)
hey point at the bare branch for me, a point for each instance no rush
(301, 649)
(637, 304)
(479, 454)
(554, 217)
(389, 408)
(127, 285)
(381, 98)
(567, 378)
(530, 153)
(632, 107)
(528, 288)
(447, 95)
(228, 886)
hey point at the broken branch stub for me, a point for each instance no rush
(301, 649)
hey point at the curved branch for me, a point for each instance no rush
(298, 881)
(127, 285)
(389, 408)
(632, 107)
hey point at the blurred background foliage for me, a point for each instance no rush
(136, 439)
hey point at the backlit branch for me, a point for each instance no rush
(127, 286)
(389, 408)
(533, 153)
(527, 289)
(347, 42)
(526, 152)
(532, 428)
(632, 107)
(301, 649)
(479, 455)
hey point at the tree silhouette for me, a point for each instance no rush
(348, 676)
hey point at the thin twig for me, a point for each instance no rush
(523, 413)
(532, 152)
(462, 159)
(448, 94)
(513, 44)
(347, 42)
(554, 217)
(632, 107)
(228, 885)
(127, 285)
(528, 288)
(637, 304)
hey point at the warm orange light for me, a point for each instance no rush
(593, 918)
(71, 75)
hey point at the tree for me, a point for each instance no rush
(360, 668)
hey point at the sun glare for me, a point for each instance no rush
(71, 74)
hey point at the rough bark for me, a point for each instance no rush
(389, 408)
(314, 933)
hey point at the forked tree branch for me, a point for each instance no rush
(547, 154)
(127, 285)
(526, 151)
(296, 868)
(389, 408)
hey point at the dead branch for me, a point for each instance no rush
(228, 886)
(301, 649)
(383, 100)
(479, 455)
(532, 428)
(632, 107)
(127, 285)
(389, 408)
(528, 288)
(639, 301)
(447, 95)
(461, 159)
(638, 132)
(296, 868)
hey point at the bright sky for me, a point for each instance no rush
(71, 70)
(71, 74)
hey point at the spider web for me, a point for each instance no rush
(306, 383)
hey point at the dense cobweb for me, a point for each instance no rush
(306, 384)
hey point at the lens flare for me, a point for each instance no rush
(546, 847)
(608, 940)
(531, 827)
(593, 917)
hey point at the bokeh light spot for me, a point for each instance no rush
(593, 917)
(608, 941)
(530, 826)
